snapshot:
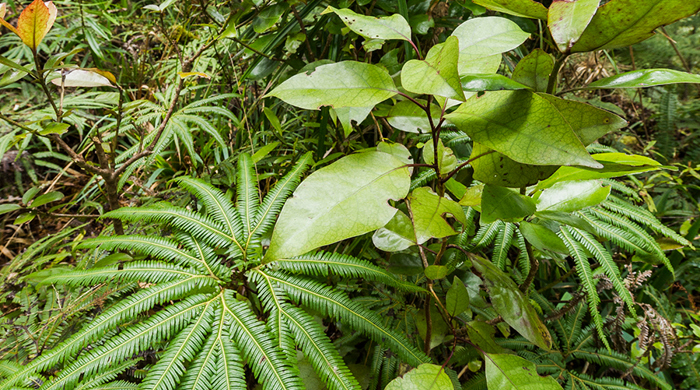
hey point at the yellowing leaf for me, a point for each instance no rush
(3, 10)
(86, 78)
(184, 75)
(35, 21)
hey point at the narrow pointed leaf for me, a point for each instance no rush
(522, 8)
(437, 74)
(614, 165)
(489, 82)
(645, 78)
(570, 196)
(567, 19)
(385, 28)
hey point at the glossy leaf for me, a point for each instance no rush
(614, 165)
(500, 203)
(644, 78)
(46, 198)
(386, 28)
(35, 21)
(621, 23)
(534, 70)
(522, 8)
(570, 196)
(542, 238)
(567, 20)
(429, 212)
(25, 217)
(8, 208)
(511, 372)
(396, 236)
(486, 37)
(344, 84)
(407, 116)
(528, 127)
(512, 304)
(342, 200)
(500, 170)
(424, 377)
(437, 74)
(446, 159)
(457, 298)
(489, 82)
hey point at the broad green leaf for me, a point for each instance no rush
(534, 70)
(542, 238)
(523, 8)
(457, 298)
(13, 65)
(397, 150)
(407, 116)
(511, 372)
(54, 128)
(386, 27)
(9, 207)
(512, 304)
(487, 37)
(621, 23)
(343, 84)
(528, 127)
(614, 165)
(437, 74)
(446, 158)
(436, 272)
(489, 82)
(25, 217)
(482, 335)
(428, 211)
(30, 194)
(567, 19)
(347, 115)
(35, 21)
(472, 197)
(396, 236)
(644, 78)
(268, 17)
(500, 170)
(424, 377)
(501, 203)
(480, 65)
(570, 196)
(342, 200)
(46, 198)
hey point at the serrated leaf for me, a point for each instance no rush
(446, 158)
(437, 74)
(534, 70)
(486, 37)
(396, 236)
(567, 19)
(35, 21)
(511, 372)
(644, 78)
(342, 200)
(570, 196)
(621, 23)
(343, 84)
(386, 27)
(429, 211)
(457, 298)
(522, 8)
(512, 304)
(531, 128)
(46, 198)
(424, 377)
(501, 203)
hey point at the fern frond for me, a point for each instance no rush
(107, 375)
(325, 359)
(275, 198)
(523, 255)
(250, 335)
(165, 375)
(199, 226)
(583, 268)
(247, 193)
(606, 262)
(477, 382)
(218, 206)
(584, 381)
(620, 237)
(272, 298)
(122, 311)
(144, 271)
(203, 125)
(622, 363)
(118, 385)
(336, 304)
(621, 188)
(422, 178)
(486, 234)
(643, 217)
(325, 263)
(503, 240)
(131, 340)
(205, 255)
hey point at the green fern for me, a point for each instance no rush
(205, 330)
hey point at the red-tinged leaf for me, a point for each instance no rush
(35, 21)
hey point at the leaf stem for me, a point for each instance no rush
(552, 83)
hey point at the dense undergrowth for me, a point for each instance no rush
(153, 231)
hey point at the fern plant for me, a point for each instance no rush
(213, 305)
